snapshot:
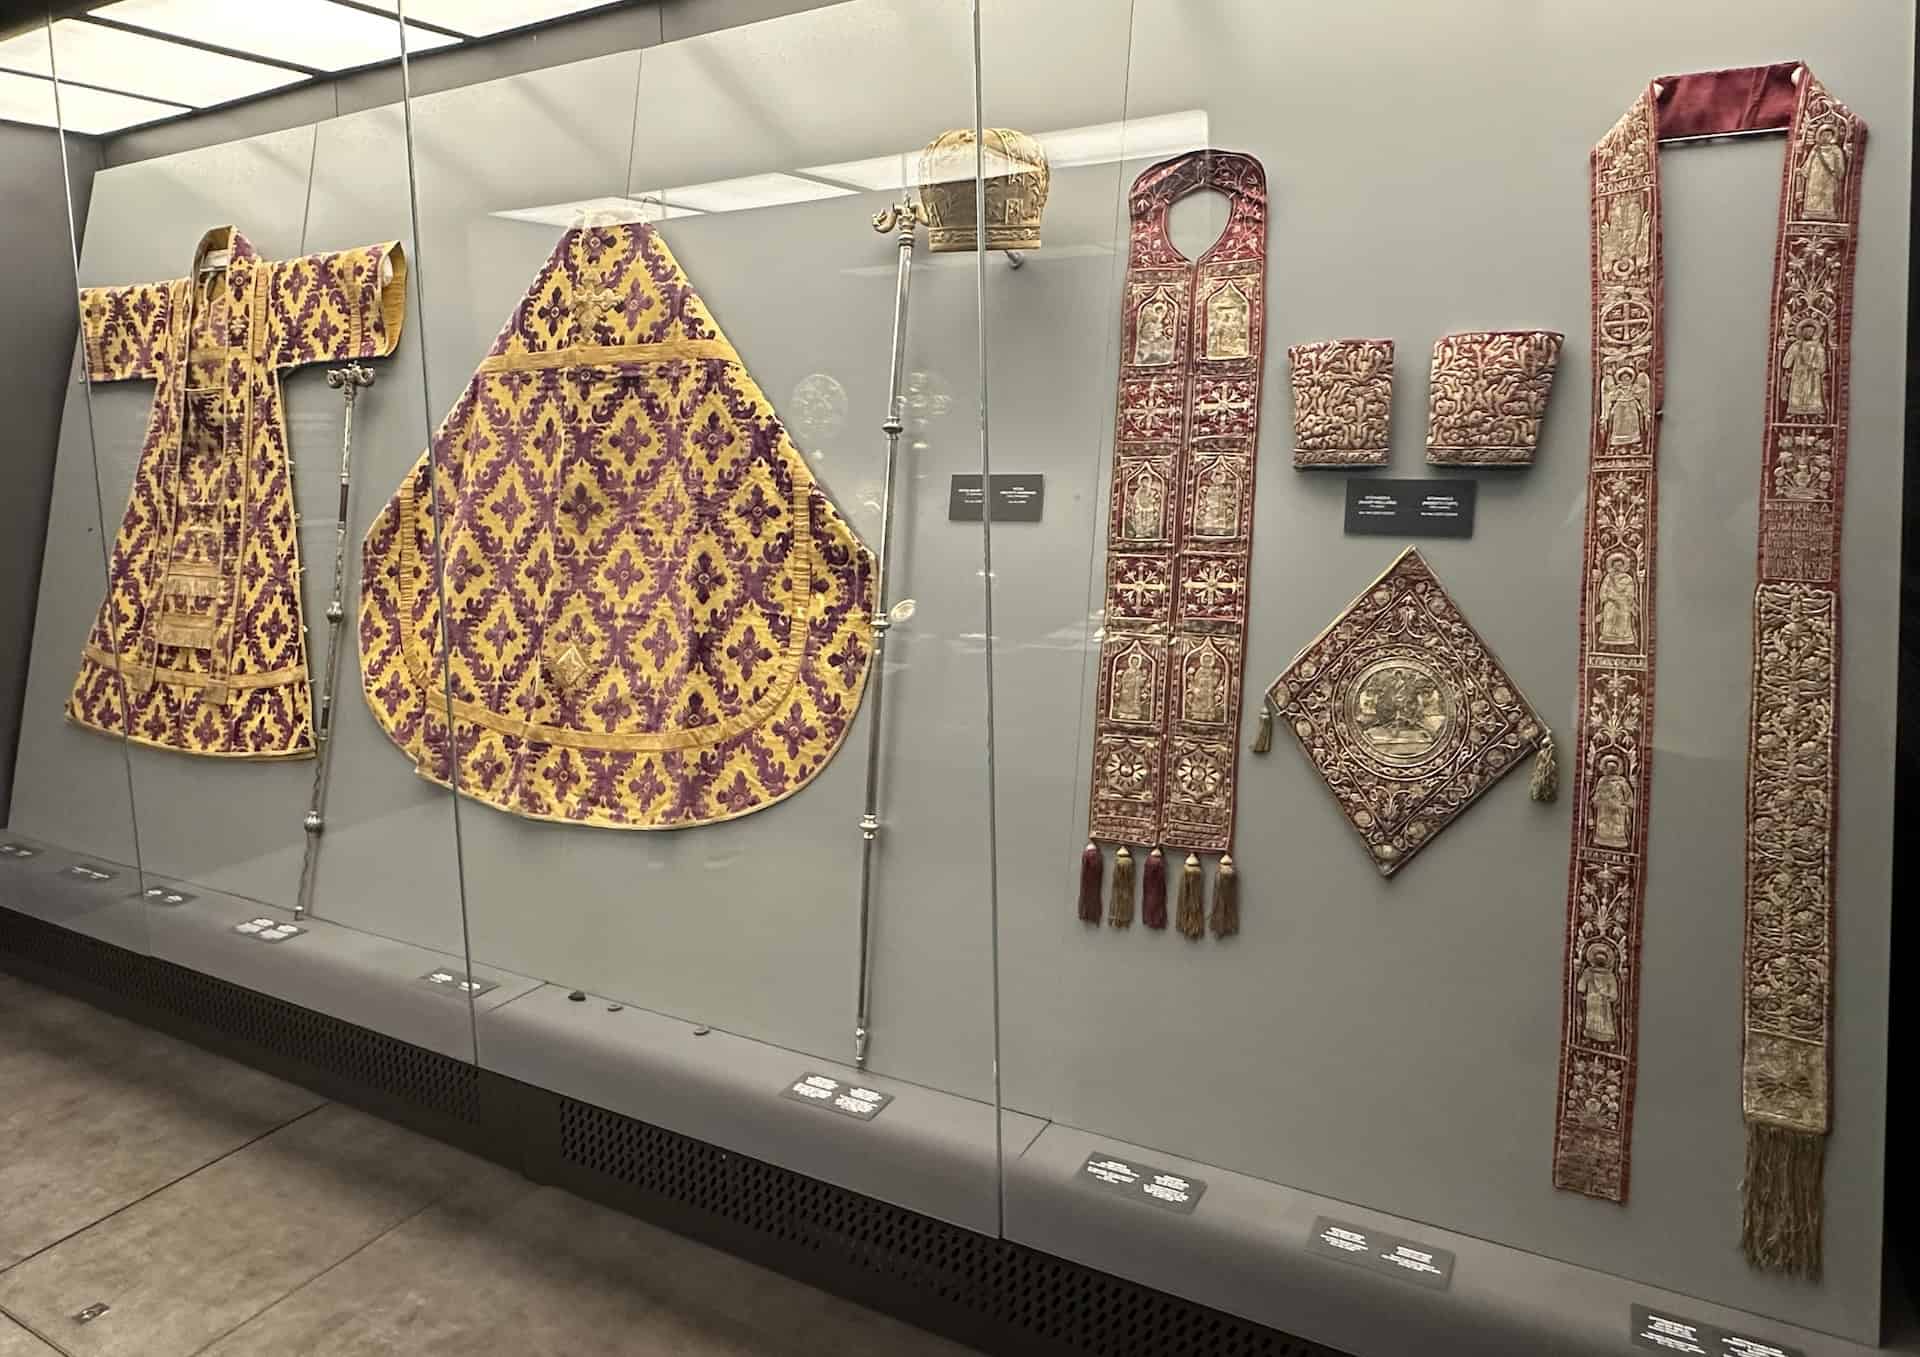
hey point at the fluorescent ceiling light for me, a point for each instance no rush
(136, 64)
(747, 193)
(1155, 138)
(478, 18)
(313, 33)
(881, 174)
(890, 173)
(26, 99)
(569, 215)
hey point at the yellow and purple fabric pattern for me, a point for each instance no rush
(654, 618)
(200, 644)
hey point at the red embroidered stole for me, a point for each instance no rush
(1795, 681)
(1180, 532)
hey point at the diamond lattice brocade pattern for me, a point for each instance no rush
(200, 645)
(655, 617)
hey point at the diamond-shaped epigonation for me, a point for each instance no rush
(1404, 711)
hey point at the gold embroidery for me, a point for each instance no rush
(1487, 396)
(1342, 400)
(1227, 317)
(1404, 712)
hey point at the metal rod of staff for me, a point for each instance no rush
(348, 381)
(903, 219)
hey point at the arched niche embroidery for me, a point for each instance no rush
(1228, 321)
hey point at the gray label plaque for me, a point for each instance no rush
(1169, 1191)
(1378, 1251)
(849, 1100)
(1663, 1331)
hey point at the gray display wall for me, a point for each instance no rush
(1394, 1042)
(37, 229)
(1391, 1044)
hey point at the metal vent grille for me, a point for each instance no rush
(368, 1059)
(1070, 1306)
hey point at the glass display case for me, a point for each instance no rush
(805, 582)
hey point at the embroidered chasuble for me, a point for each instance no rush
(1179, 537)
(1794, 683)
(655, 618)
(200, 645)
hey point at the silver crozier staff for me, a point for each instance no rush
(348, 381)
(904, 219)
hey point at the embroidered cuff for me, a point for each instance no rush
(1342, 399)
(1487, 395)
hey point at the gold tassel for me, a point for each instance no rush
(1226, 899)
(1191, 916)
(1544, 785)
(1263, 740)
(1780, 1217)
(1120, 905)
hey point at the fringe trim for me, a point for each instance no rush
(1263, 738)
(1544, 785)
(1092, 865)
(1784, 1199)
(1191, 918)
(1120, 903)
(1153, 891)
(1225, 920)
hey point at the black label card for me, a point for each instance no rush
(18, 851)
(1379, 1251)
(86, 871)
(1169, 1191)
(1408, 508)
(1664, 1332)
(1018, 497)
(849, 1100)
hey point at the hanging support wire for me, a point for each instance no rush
(348, 381)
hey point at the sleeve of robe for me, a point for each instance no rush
(336, 306)
(125, 329)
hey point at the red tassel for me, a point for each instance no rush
(1153, 891)
(1092, 864)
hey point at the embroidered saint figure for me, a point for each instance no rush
(1821, 176)
(1617, 609)
(1130, 689)
(1805, 362)
(1227, 312)
(1599, 989)
(1628, 396)
(1153, 332)
(1623, 235)
(1218, 513)
(1612, 806)
(1143, 510)
(1203, 689)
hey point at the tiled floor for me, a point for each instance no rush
(217, 1210)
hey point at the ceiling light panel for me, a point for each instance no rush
(313, 33)
(597, 211)
(93, 113)
(748, 193)
(137, 64)
(477, 18)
